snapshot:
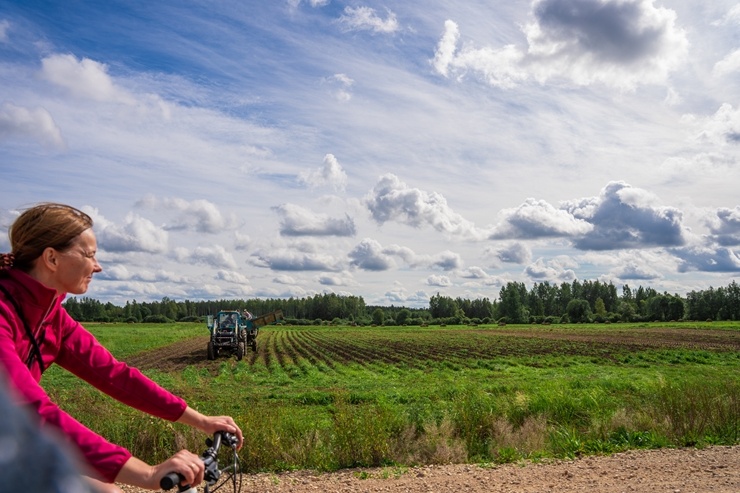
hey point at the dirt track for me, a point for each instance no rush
(174, 357)
(711, 470)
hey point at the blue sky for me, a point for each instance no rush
(240, 149)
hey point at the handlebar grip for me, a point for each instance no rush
(229, 438)
(170, 481)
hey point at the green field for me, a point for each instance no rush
(330, 397)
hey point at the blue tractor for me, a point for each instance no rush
(232, 332)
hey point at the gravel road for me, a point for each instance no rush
(709, 470)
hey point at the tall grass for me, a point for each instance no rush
(695, 412)
(429, 412)
(474, 427)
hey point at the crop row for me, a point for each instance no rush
(331, 350)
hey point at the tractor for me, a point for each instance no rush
(232, 332)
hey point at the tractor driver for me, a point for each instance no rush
(229, 322)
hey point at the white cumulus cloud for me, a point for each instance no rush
(722, 128)
(298, 221)
(200, 215)
(439, 281)
(369, 255)
(330, 174)
(620, 43)
(136, 234)
(557, 269)
(366, 19)
(728, 65)
(724, 226)
(392, 200)
(538, 219)
(626, 217)
(215, 256)
(32, 123)
(291, 260)
(84, 79)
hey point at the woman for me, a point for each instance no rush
(53, 253)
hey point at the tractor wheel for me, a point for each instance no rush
(253, 345)
(239, 351)
(211, 351)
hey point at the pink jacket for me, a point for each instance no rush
(66, 343)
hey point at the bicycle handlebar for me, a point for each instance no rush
(209, 458)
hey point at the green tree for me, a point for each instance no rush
(626, 311)
(402, 316)
(480, 308)
(511, 306)
(600, 308)
(73, 308)
(442, 306)
(676, 308)
(579, 311)
(563, 297)
(378, 316)
(627, 293)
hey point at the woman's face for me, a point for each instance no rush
(77, 264)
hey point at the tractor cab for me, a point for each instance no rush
(228, 321)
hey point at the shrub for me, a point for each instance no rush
(510, 443)
(432, 444)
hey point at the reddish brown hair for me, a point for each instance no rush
(42, 226)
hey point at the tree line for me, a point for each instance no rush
(545, 302)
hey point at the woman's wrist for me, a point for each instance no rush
(193, 418)
(137, 473)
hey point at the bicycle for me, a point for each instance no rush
(212, 471)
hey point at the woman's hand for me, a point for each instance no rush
(188, 464)
(138, 473)
(211, 424)
(222, 423)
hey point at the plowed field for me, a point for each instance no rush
(411, 348)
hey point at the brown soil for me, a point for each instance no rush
(174, 357)
(177, 356)
(653, 337)
(710, 470)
